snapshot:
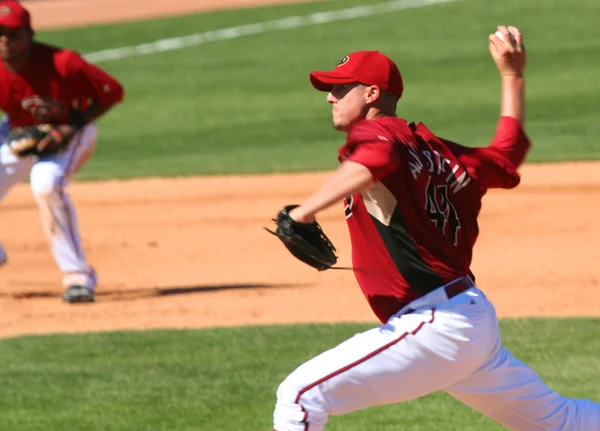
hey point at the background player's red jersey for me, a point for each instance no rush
(51, 85)
(414, 231)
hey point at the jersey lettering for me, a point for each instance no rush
(440, 210)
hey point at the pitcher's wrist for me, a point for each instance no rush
(514, 79)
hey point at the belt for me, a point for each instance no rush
(451, 289)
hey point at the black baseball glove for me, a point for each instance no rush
(306, 241)
(39, 139)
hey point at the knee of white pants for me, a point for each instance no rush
(46, 184)
(294, 412)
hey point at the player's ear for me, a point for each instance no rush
(28, 33)
(372, 93)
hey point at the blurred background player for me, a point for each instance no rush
(46, 84)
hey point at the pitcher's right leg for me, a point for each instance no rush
(511, 393)
(409, 357)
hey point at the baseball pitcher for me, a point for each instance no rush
(411, 204)
(51, 97)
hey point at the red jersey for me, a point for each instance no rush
(51, 85)
(414, 231)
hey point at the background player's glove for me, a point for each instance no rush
(39, 139)
(306, 241)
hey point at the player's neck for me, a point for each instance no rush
(374, 113)
(14, 66)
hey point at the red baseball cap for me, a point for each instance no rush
(365, 67)
(14, 15)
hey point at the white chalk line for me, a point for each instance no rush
(176, 43)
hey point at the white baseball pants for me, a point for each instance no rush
(49, 178)
(447, 344)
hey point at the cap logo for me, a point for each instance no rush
(343, 61)
(5, 10)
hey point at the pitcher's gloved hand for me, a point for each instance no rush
(306, 241)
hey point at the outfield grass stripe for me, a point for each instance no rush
(226, 379)
(246, 105)
(176, 43)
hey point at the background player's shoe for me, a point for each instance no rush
(3, 255)
(77, 293)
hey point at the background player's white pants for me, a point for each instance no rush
(455, 347)
(49, 177)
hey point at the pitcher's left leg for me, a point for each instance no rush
(509, 392)
(49, 179)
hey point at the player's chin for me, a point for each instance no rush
(6, 55)
(341, 126)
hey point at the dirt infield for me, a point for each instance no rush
(83, 12)
(191, 252)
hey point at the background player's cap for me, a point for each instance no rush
(14, 15)
(365, 67)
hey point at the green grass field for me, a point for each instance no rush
(246, 105)
(225, 379)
